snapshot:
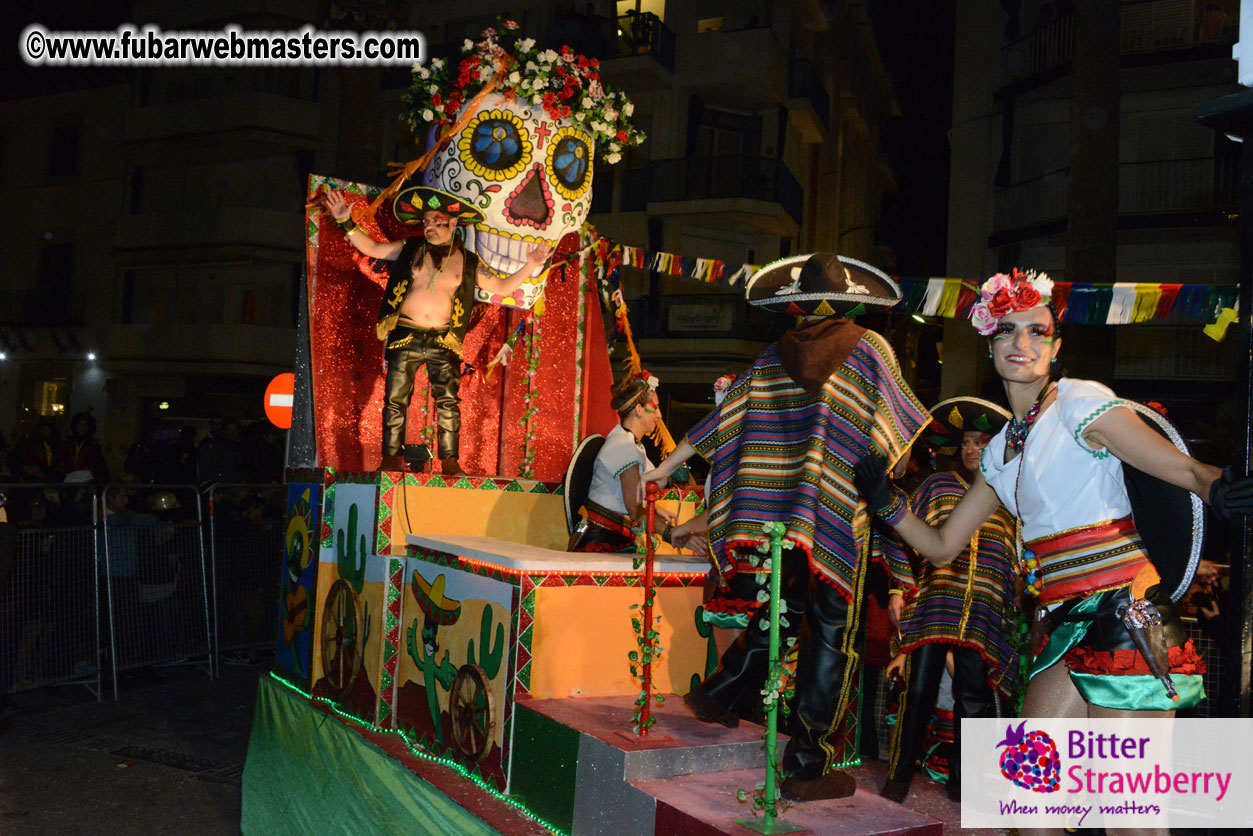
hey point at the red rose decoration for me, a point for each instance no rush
(622, 136)
(1000, 304)
(1025, 297)
(437, 100)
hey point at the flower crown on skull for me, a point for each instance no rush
(566, 85)
(1019, 290)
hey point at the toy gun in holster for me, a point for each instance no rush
(1144, 623)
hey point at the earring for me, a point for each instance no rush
(989, 355)
(1054, 359)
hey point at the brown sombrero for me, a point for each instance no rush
(412, 202)
(950, 418)
(821, 284)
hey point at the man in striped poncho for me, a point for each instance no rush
(964, 607)
(782, 447)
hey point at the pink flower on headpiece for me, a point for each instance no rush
(982, 319)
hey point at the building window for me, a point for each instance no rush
(725, 134)
(49, 397)
(64, 151)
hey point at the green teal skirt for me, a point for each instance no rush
(1110, 651)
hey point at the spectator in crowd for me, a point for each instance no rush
(168, 465)
(39, 454)
(121, 544)
(187, 454)
(82, 450)
(219, 458)
(263, 453)
(139, 456)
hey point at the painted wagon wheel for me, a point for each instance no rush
(471, 711)
(342, 636)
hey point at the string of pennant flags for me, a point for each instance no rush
(1076, 303)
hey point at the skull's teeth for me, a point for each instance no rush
(503, 254)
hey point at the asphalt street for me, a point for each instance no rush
(166, 757)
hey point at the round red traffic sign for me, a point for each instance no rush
(279, 396)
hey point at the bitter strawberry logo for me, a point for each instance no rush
(1030, 759)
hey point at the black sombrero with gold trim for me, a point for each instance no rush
(412, 202)
(954, 416)
(821, 284)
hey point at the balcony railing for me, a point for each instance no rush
(1030, 202)
(713, 178)
(1195, 185)
(1146, 26)
(645, 34)
(1157, 187)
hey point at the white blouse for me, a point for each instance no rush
(620, 452)
(1064, 483)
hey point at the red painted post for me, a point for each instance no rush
(650, 497)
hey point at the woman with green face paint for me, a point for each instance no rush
(1058, 466)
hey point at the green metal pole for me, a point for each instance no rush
(770, 822)
(775, 530)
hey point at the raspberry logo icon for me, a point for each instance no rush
(1030, 759)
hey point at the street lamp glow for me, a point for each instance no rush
(164, 405)
(91, 356)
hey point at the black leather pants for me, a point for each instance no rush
(407, 350)
(923, 671)
(822, 671)
(737, 683)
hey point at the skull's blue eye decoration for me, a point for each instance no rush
(495, 145)
(569, 163)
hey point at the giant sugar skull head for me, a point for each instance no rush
(528, 173)
(524, 155)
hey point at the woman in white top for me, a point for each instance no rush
(1057, 466)
(613, 508)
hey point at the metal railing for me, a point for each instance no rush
(705, 178)
(1144, 188)
(1146, 26)
(50, 629)
(645, 34)
(246, 543)
(154, 566)
(101, 583)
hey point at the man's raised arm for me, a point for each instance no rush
(385, 250)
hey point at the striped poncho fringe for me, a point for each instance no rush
(958, 606)
(779, 453)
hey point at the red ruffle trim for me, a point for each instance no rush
(731, 606)
(1126, 662)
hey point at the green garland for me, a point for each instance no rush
(647, 640)
(526, 469)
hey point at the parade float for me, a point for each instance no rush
(443, 664)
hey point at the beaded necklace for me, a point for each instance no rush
(1015, 438)
(1016, 432)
